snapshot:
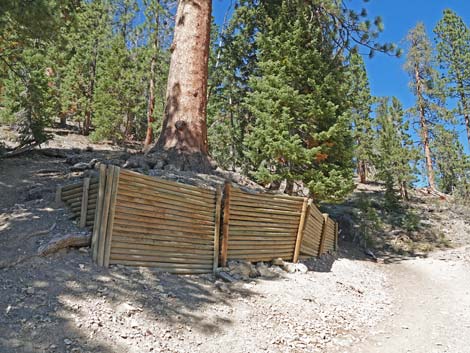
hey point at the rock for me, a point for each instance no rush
(265, 271)
(78, 167)
(225, 276)
(30, 290)
(126, 309)
(221, 286)
(72, 159)
(242, 269)
(289, 267)
(67, 341)
(136, 161)
(278, 262)
(92, 163)
(301, 268)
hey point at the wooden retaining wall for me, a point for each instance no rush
(312, 232)
(145, 221)
(81, 199)
(259, 227)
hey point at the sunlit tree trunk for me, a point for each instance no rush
(151, 101)
(424, 130)
(184, 130)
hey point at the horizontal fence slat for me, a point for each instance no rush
(240, 201)
(125, 227)
(263, 210)
(267, 196)
(165, 224)
(150, 197)
(168, 187)
(163, 267)
(178, 262)
(262, 225)
(155, 206)
(123, 241)
(141, 235)
(164, 256)
(126, 173)
(121, 207)
(155, 227)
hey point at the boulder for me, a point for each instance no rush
(242, 270)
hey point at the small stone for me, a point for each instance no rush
(289, 267)
(30, 290)
(278, 262)
(301, 268)
(67, 342)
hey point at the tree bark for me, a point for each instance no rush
(151, 102)
(424, 130)
(91, 91)
(466, 115)
(184, 129)
(361, 167)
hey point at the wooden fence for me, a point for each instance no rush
(81, 199)
(144, 221)
(259, 227)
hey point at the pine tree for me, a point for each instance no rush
(234, 62)
(26, 95)
(424, 83)
(86, 39)
(394, 151)
(453, 166)
(453, 46)
(301, 127)
(361, 100)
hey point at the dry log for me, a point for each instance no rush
(65, 241)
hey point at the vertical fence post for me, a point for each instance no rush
(58, 195)
(105, 214)
(112, 207)
(225, 230)
(218, 206)
(98, 212)
(300, 231)
(336, 236)
(84, 208)
(323, 235)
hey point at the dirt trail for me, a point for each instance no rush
(433, 307)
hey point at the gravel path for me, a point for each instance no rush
(433, 311)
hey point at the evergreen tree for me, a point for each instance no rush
(453, 46)
(27, 30)
(86, 40)
(424, 83)
(394, 151)
(301, 127)
(453, 166)
(360, 101)
(233, 62)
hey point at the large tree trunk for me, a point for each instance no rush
(184, 132)
(151, 101)
(466, 115)
(91, 91)
(424, 131)
(362, 171)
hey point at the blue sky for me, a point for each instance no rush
(386, 74)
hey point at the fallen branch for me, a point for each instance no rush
(63, 242)
(19, 151)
